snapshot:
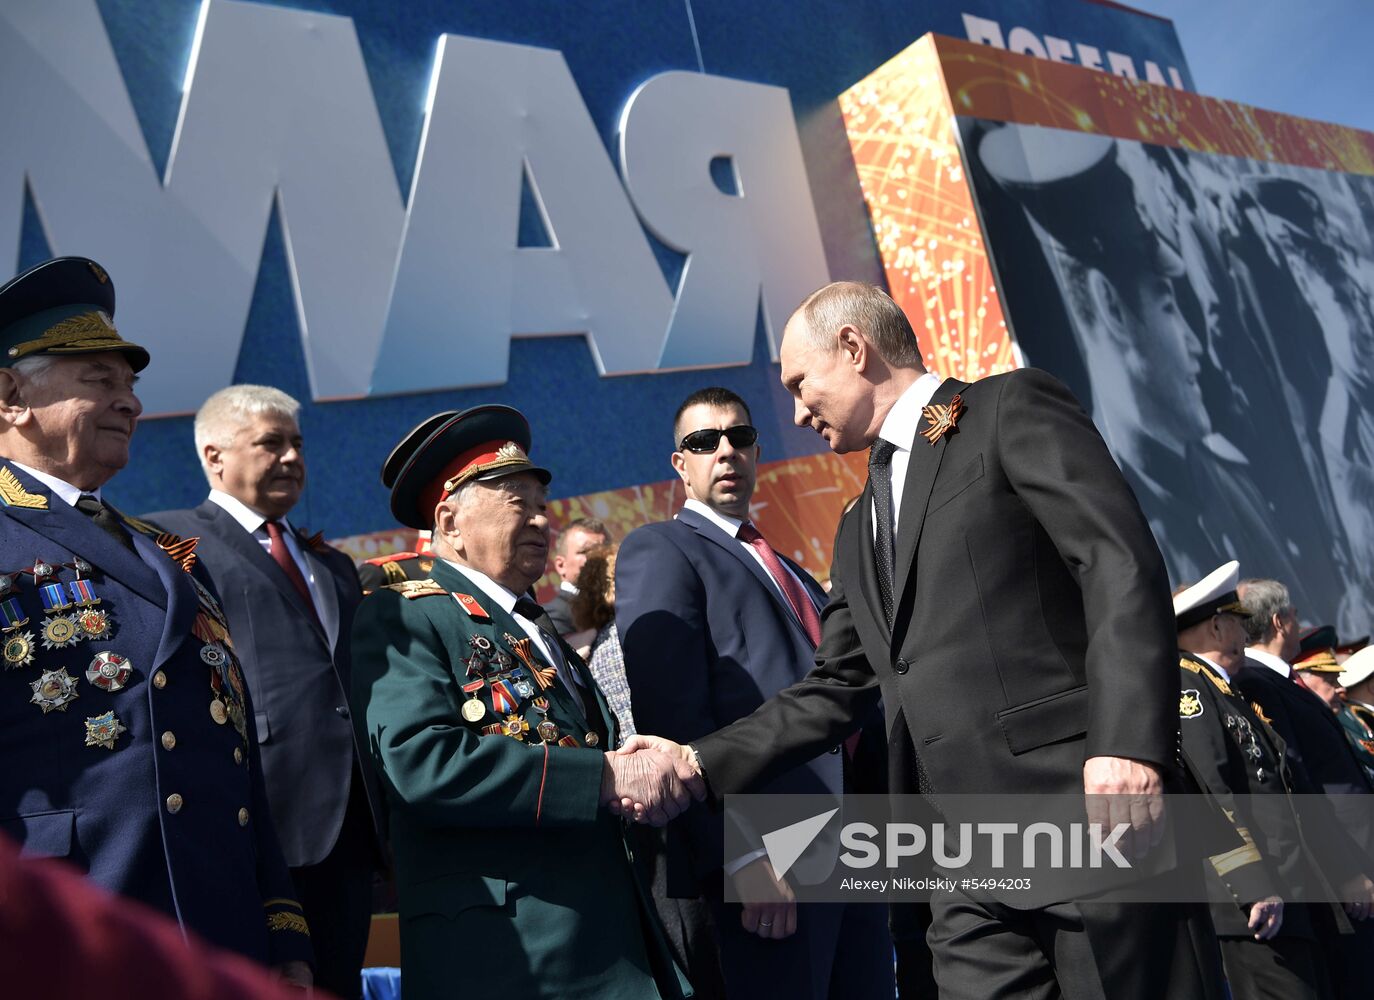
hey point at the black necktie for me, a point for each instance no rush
(531, 611)
(880, 478)
(105, 519)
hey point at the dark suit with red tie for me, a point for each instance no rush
(708, 636)
(1023, 565)
(296, 658)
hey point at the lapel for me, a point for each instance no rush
(66, 526)
(221, 523)
(921, 473)
(182, 602)
(714, 534)
(328, 590)
(868, 566)
(503, 623)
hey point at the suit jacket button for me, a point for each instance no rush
(343, 711)
(243, 817)
(169, 740)
(174, 803)
(834, 749)
(902, 666)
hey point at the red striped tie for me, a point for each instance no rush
(282, 556)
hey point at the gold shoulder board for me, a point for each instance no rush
(411, 589)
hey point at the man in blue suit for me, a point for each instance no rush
(125, 723)
(290, 600)
(714, 622)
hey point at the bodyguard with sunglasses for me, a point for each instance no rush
(713, 621)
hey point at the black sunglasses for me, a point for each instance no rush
(707, 441)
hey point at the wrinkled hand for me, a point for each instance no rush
(1358, 896)
(296, 973)
(770, 908)
(1266, 917)
(648, 785)
(1122, 790)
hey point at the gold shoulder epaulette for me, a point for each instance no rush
(411, 589)
(1197, 668)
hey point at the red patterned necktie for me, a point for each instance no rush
(281, 555)
(787, 583)
(796, 596)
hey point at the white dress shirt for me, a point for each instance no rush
(1214, 665)
(1271, 661)
(505, 599)
(256, 525)
(60, 488)
(731, 526)
(899, 428)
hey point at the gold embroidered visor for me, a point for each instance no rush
(79, 328)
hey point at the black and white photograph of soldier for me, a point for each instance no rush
(1214, 313)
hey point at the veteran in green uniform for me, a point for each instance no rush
(1319, 670)
(489, 735)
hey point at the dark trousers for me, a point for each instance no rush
(840, 950)
(910, 924)
(336, 895)
(1282, 968)
(984, 950)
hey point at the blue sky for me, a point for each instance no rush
(1309, 58)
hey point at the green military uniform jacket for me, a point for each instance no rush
(512, 879)
(1241, 764)
(1359, 736)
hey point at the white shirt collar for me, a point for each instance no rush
(1214, 665)
(505, 599)
(899, 427)
(726, 523)
(249, 518)
(567, 588)
(64, 490)
(1274, 663)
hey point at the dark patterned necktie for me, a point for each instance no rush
(104, 519)
(281, 555)
(880, 478)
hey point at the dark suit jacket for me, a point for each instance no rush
(559, 611)
(174, 814)
(298, 674)
(1033, 622)
(707, 639)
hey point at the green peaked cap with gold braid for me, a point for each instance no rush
(60, 307)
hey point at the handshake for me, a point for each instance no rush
(651, 780)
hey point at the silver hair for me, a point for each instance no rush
(868, 308)
(35, 367)
(1265, 599)
(226, 412)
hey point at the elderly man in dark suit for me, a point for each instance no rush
(125, 724)
(713, 621)
(290, 601)
(998, 586)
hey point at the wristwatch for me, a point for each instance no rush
(696, 759)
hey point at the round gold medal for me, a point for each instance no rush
(474, 710)
(218, 712)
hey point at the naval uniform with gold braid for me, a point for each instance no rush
(1231, 752)
(123, 726)
(512, 879)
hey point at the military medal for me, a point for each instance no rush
(60, 631)
(480, 643)
(567, 741)
(11, 614)
(548, 732)
(102, 730)
(54, 598)
(109, 671)
(6, 583)
(41, 571)
(495, 729)
(83, 594)
(213, 655)
(524, 648)
(94, 625)
(18, 649)
(82, 566)
(502, 698)
(54, 690)
(515, 727)
(473, 710)
(591, 739)
(218, 712)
